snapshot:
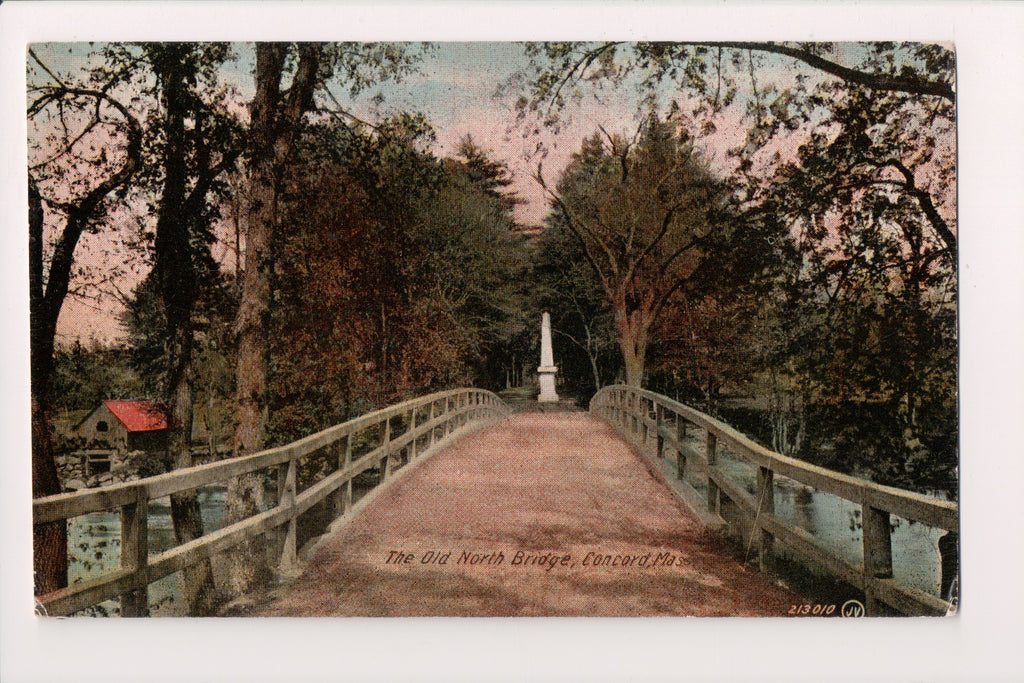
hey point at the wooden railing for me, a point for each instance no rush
(638, 414)
(424, 421)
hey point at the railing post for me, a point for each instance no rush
(659, 414)
(430, 421)
(412, 431)
(346, 496)
(385, 466)
(766, 504)
(877, 553)
(710, 456)
(135, 553)
(333, 500)
(337, 498)
(631, 410)
(289, 553)
(645, 414)
(680, 456)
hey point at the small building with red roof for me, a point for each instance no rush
(125, 426)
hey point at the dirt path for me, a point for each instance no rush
(537, 488)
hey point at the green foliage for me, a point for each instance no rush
(212, 367)
(86, 374)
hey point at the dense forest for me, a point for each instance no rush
(303, 265)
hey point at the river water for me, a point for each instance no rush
(835, 524)
(94, 542)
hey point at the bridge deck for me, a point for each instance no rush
(540, 485)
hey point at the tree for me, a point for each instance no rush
(877, 273)
(82, 180)
(480, 261)
(189, 142)
(396, 275)
(491, 176)
(198, 148)
(647, 213)
(276, 117)
(851, 149)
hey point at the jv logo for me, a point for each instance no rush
(852, 608)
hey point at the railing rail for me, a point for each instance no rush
(426, 421)
(638, 412)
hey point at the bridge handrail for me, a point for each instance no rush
(448, 412)
(636, 411)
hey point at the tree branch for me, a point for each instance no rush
(45, 68)
(581, 65)
(81, 212)
(924, 199)
(578, 229)
(877, 81)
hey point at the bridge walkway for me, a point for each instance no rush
(483, 528)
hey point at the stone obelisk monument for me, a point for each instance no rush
(547, 368)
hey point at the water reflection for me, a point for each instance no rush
(94, 547)
(836, 524)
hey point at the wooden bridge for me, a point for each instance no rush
(450, 505)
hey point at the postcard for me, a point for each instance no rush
(494, 328)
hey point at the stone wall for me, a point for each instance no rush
(75, 473)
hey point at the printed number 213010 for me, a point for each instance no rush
(817, 610)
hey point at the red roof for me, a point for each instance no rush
(138, 416)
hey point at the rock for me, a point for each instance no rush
(106, 478)
(133, 477)
(74, 485)
(134, 456)
(91, 482)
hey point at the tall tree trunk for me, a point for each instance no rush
(177, 277)
(50, 558)
(631, 334)
(274, 125)
(49, 541)
(249, 569)
(595, 372)
(634, 366)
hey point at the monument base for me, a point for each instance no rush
(547, 384)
